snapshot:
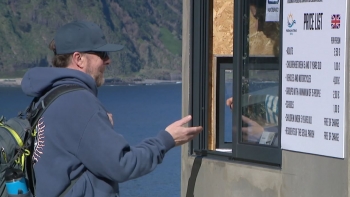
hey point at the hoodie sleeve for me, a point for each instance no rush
(107, 154)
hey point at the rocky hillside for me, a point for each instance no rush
(149, 29)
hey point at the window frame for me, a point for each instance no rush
(222, 64)
(242, 151)
(199, 87)
(199, 72)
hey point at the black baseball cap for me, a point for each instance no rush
(82, 36)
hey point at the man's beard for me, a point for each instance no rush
(99, 79)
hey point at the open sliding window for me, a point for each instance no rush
(235, 81)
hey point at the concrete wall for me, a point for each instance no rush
(301, 175)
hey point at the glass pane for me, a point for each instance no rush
(260, 80)
(228, 112)
(263, 30)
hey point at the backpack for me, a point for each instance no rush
(17, 136)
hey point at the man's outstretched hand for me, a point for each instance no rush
(183, 134)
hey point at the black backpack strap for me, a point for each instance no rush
(49, 98)
(34, 115)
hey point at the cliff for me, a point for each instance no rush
(149, 29)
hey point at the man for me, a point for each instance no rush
(76, 139)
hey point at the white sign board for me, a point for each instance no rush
(313, 76)
(272, 10)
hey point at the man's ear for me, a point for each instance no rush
(78, 59)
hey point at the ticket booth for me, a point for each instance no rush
(267, 81)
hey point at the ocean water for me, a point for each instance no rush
(138, 112)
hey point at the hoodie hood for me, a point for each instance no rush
(37, 81)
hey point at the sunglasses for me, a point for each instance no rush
(102, 54)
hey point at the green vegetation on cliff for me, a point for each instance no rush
(149, 29)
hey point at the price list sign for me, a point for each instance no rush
(313, 76)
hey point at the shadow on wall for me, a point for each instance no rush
(194, 173)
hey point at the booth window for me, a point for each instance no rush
(249, 128)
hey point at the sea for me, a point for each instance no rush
(139, 111)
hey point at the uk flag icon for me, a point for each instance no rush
(335, 21)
